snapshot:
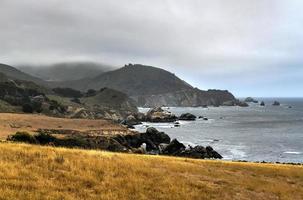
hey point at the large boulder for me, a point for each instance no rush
(159, 115)
(187, 117)
(157, 137)
(131, 121)
(174, 148)
(262, 103)
(152, 138)
(200, 152)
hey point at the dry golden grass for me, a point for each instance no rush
(11, 123)
(34, 172)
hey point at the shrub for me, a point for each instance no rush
(73, 141)
(37, 106)
(91, 92)
(68, 92)
(23, 137)
(44, 138)
(54, 105)
(27, 108)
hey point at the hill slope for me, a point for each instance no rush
(66, 71)
(18, 89)
(33, 172)
(150, 86)
(14, 73)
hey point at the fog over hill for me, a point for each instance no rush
(66, 71)
(14, 73)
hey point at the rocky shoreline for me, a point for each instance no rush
(150, 142)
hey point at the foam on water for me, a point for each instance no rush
(292, 152)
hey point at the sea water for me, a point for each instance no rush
(254, 133)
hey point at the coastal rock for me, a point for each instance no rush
(150, 142)
(174, 148)
(229, 103)
(276, 103)
(131, 121)
(199, 152)
(152, 138)
(262, 103)
(187, 117)
(242, 104)
(159, 115)
(156, 136)
(196, 152)
(250, 100)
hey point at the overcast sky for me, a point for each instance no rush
(250, 47)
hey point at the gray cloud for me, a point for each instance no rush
(210, 43)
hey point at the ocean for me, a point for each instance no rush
(254, 133)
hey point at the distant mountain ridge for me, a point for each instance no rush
(150, 86)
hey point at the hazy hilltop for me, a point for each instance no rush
(150, 86)
(137, 80)
(68, 71)
(14, 73)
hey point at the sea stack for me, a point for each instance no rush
(276, 103)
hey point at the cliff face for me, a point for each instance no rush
(185, 98)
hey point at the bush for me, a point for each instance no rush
(27, 108)
(91, 92)
(44, 138)
(68, 92)
(37, 106)
(23, 137)
(54, 105)
(73, 141)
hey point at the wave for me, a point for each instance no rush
(292, 152)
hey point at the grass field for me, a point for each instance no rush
(34, 172)
(10, 123)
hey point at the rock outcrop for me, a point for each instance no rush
(150, 142)
(276, 103)
(251, 100)
(185, 98)
(157, 114)
(187, 117)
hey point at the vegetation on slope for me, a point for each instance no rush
(32, 172)
(11, 123)
(14, 73)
